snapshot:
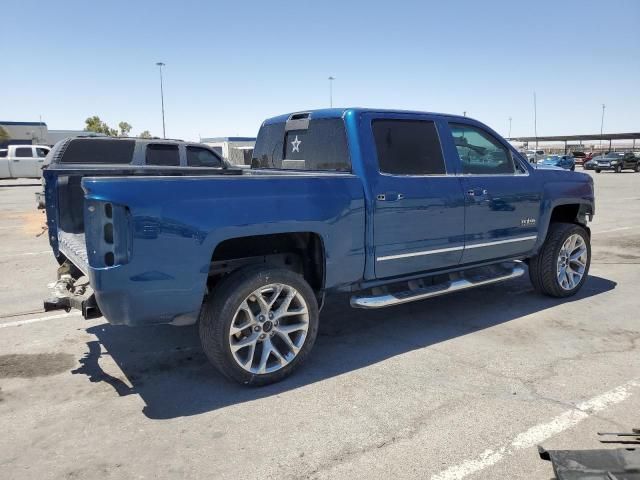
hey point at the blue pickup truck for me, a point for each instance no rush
(391, 206)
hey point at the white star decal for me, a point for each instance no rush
(296, 145)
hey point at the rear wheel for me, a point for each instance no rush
(618, 169)
(637, 169)
(598, 170)
(562, 265)
(260, 324)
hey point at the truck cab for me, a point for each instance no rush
(23, 161)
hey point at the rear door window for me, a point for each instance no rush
(408, 147)
(202, 157)
(24, 152)
(101, 151)
(320, 146)
(162, 154)
(42, 152)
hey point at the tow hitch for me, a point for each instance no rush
(69, 292)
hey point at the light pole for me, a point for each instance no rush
(331, 79)
(602, 126)
(509, 127)
(535, 119)
(160, 65)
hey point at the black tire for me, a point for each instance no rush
(598, 170)
(573, 169)
(542, 267)
(618, 169)
(218, 314)
(637, 169)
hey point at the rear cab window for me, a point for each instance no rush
(85, 150)
(408, 147)
(162, 154)
(311, 144)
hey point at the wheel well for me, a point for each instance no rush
(572, 213)
(302, 252)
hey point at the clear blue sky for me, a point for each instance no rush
(231, 64)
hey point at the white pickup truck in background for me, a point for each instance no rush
(22, 161)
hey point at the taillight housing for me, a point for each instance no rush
(108, 233)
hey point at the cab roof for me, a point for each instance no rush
(342, 112)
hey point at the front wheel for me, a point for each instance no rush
(619, 169)
(260, 324)
(598, 170)
(562, 265)
(637, 169)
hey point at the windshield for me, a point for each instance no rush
(552, 159)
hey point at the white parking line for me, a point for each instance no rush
(615, 230)
(539, 433)
(36, 320)
(26, 254)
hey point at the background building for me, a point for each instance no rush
(37, 133)
(24, 133)
(236, 150)
(54, 136)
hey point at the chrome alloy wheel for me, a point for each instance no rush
(572, 262)
(269, 328)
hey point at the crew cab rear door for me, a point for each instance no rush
(502, 199)
(418, 206)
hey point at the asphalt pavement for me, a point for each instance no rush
(461, 386)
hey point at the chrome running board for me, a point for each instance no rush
(473, 278)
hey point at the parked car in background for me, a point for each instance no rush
(563, 161)
(579, 157)
(23, 161)
(535, 155)
(3, 152)
(617, 162)
(391, 206)
(152, 155)
(590, 164)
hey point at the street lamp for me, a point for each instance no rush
(535, 118)
(331, 79)
(160, 65)
(509, 127)
(602, 126)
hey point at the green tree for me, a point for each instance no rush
(145, 134)
(95, 124)
(4, 135)
(125, 128)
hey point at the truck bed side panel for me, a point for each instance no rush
(176, 224)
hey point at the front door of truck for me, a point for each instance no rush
(502, 198)
(418, 208)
